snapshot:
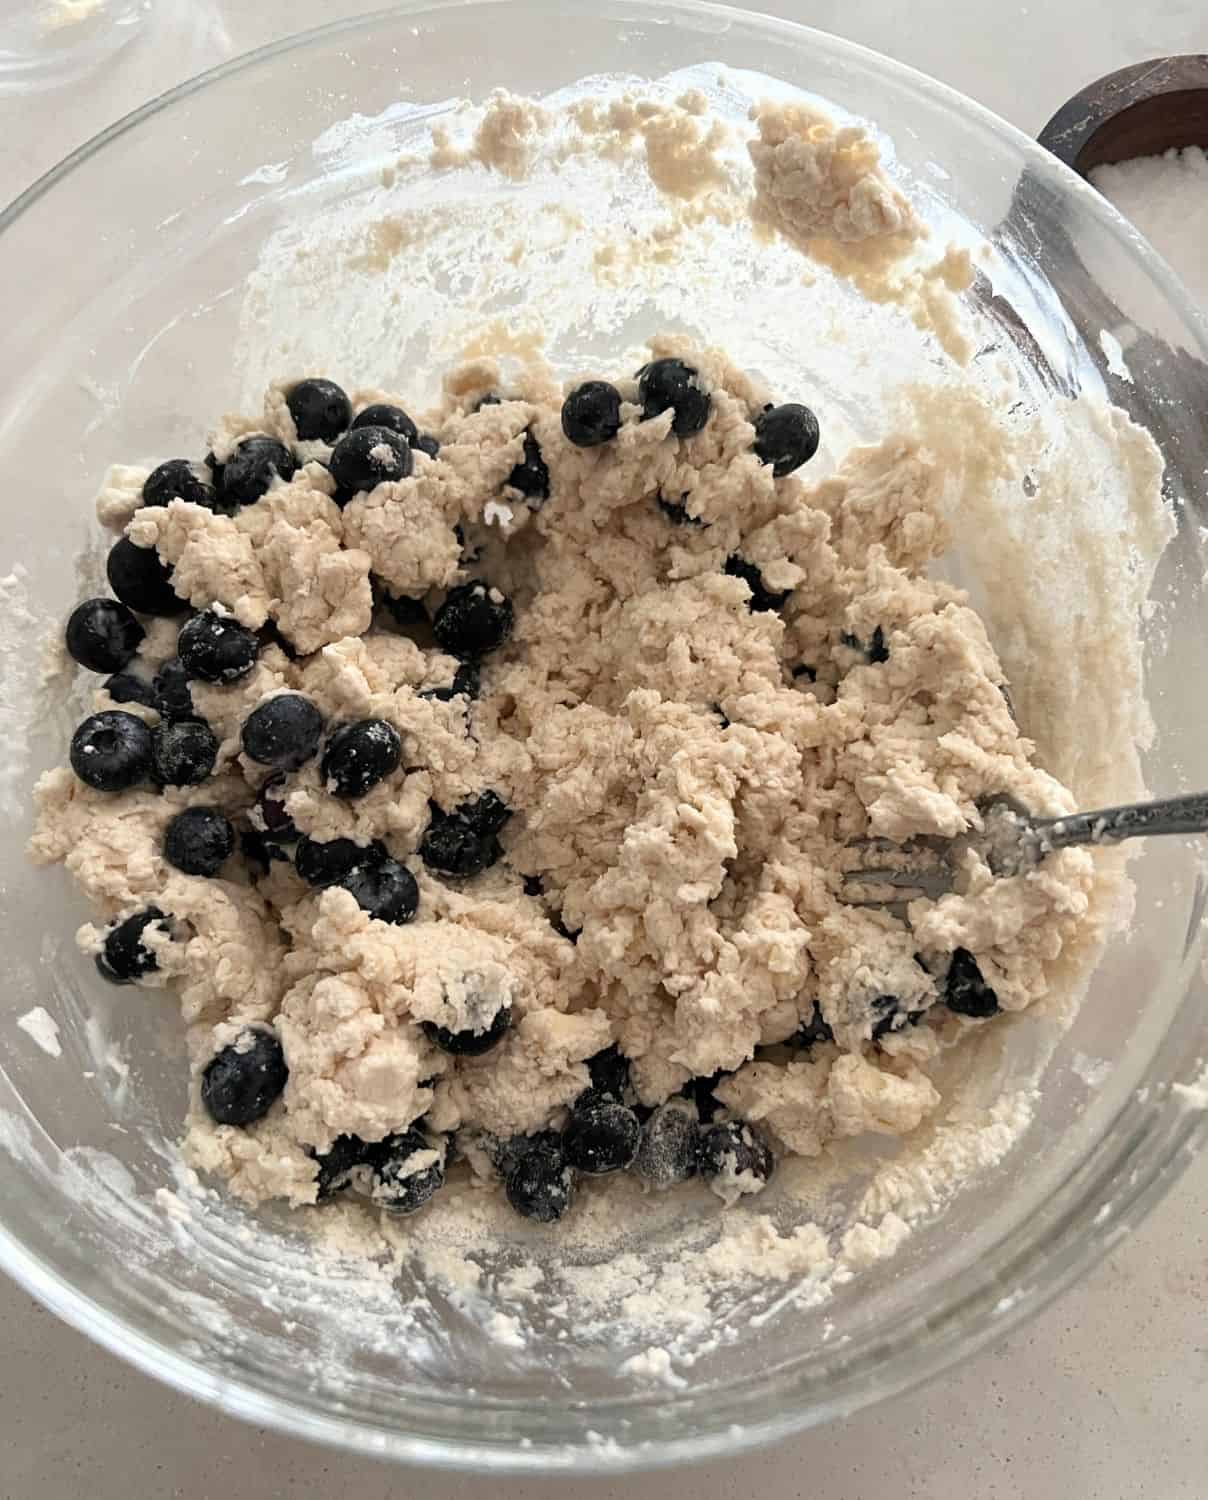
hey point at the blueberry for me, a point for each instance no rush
(394, 418)
(453, 846)
(335, 1166)
(242, 1082)
(216, 648)
(878, 651)
(670, 383)
(893, 1016)
(761, 598)
(467, 683)
(369, 456)
(426, 443)
(125, 687)
(732, 1150)
(199, 841)
(786, 437)
(102, 635)
(171, 683)
(258, 849)
(405, 611)
(531, 475)
(360, 755)
(183, 753)
(284, 732)
(591, 414)
(470, 1043)
(111, 751)
(669, 1147)
(320, 409)
(816, 1029)
(572, 935)
(700, 1091)
(274, 821)
(251, 469)
(486, 813)
(541, 1184)
(678, 514)
(124, 958)
(178, 479)
(139, 579)
(602, 1138)
(387, 891)
(532, 885)
(323, 864)
(473, 621)
(398, 1182)
(965, 991)
(609, 1074)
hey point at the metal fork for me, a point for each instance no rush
(1011, 841)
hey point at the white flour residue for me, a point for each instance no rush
(39, 1024)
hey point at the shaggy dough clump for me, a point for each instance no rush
(685, 772)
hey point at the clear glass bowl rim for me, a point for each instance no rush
(1140, 1154)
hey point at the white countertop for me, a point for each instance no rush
(1102, 1397)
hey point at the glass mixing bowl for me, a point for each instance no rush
(135, 278)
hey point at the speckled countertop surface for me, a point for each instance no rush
(1103, 1397)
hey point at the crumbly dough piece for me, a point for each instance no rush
(686, 775)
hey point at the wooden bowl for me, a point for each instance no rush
(1140, 111)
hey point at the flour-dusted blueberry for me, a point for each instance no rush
(140, 580)
(892, 1014)
(453, 846)
(406, 1170)
(241, 1083)
(102, 635)
(426, 443)
(125, 957)
(470, 1043)
(735, 1156)
(360, 755)
(591, 414)
(251, 469)
(284, 732)
(320, 409)
(111, 751)
(327, 863)
(178, 479)
(387, 891)
(786, 437)
(199, 841)
(670, 1142)
(216, 648)
(670, 384)
(183, 753)
(541, 1183)
(171, 683)
(531, 475)
(392, 417)
(127, 687)
(337, 1165)
(966, 991)
(368, 456)
(812, 1031)
(762, 599)
(474, 620)
(269, 815)
(486, 813)
(602, 1138)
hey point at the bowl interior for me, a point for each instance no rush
(259, 222)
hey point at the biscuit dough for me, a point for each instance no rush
(686, 775)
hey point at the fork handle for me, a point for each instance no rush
(1111, 825)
